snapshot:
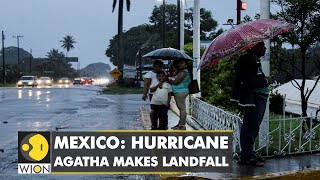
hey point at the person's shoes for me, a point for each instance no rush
(259, 158)
(179, 127)
(250, 162)
(174, 127)
(154, 128)
(163, 128)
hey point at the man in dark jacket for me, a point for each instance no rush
(250, 90)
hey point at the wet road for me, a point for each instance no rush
(74, 108)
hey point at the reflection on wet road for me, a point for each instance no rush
(73, 108)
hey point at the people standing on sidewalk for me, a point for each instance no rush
(150, 79)
(250, 90)
(160, 102)
(180, 90)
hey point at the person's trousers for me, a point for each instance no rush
(160, 112)
(250, 128)
(180, 99)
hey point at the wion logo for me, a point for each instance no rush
(34, 153)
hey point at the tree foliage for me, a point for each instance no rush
(306, 15)
(67, 43)
(135, 37)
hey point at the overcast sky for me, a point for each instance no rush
(43, 23)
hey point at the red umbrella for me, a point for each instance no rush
(241, 37)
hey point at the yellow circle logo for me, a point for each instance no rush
(34, 147)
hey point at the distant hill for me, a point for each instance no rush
(96, 70)
(11, 55)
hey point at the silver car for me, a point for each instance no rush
(27, 81)
(45, 81)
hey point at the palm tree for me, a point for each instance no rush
(67, 43)
(55, 54)
(120, 28)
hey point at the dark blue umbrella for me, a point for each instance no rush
(168, 54)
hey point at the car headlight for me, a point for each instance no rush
(48, 81)
(19, 82)
(30, 82)
(60, 81)
(67, 81)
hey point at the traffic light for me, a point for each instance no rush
(243, 5)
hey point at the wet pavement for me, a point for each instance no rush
(82, 108)
(72, 108)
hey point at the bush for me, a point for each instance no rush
(276, 102)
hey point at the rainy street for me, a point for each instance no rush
(57, 108)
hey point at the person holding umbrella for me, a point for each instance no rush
(180, 90)
(250, 90)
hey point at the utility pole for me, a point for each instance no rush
(19, 36)
(30, 61)
(3, 62)
(196, 40)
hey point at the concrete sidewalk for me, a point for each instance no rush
(289, 167)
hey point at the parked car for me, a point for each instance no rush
(64, 80)
(45, 81)
(27, 81)
(77, 81)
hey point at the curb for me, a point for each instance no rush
(145, 118)
(310, 173)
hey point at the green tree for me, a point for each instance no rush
(67, 43)
(216, 82)
(134, 38)
(57, 64)
(120, 29)
(207, 24)
(305, 14)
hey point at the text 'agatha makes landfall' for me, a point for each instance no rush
(141, 151)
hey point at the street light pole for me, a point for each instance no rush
(179, 24)
(163, 23)
(238, 11)
(265, 65)
(3, 62)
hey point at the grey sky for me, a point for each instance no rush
(43, 23)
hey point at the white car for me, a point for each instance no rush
(27, 81)
(46, 81)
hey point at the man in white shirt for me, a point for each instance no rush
(160, 102)
(151, 79)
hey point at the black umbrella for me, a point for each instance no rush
(168, 54)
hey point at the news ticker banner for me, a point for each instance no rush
(124, 152)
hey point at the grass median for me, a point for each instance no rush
(120, 89)
(7, 85)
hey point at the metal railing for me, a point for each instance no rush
(214, 118)
(287, 135)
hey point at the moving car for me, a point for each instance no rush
(64, 80)
(86, 80)
(77, 81)
(45, 81)
(27, 81)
